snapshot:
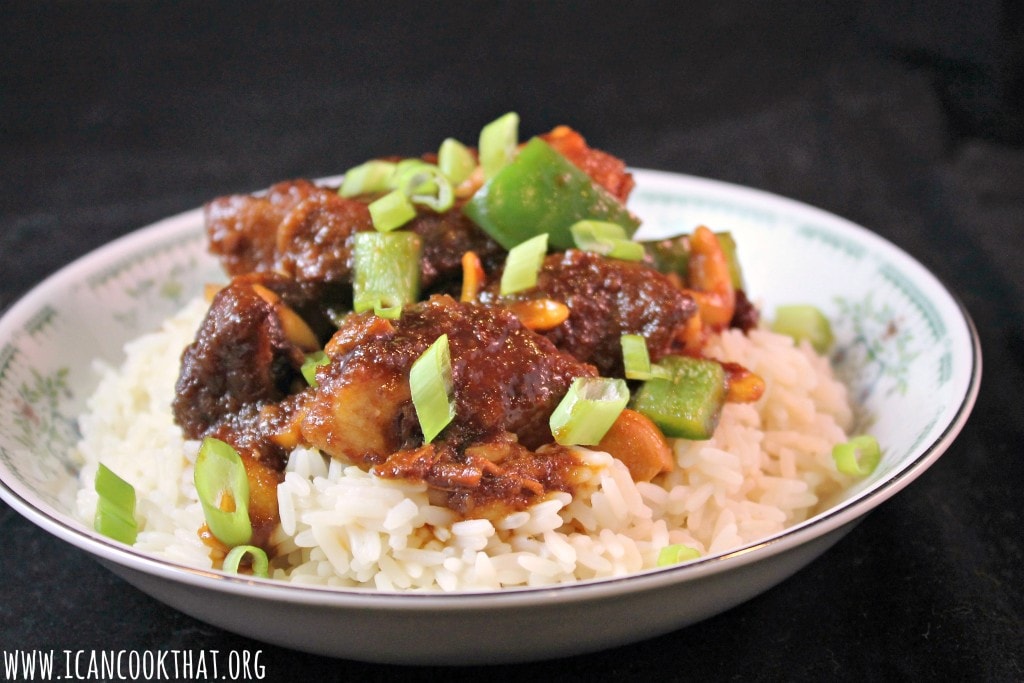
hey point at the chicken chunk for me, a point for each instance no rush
(608, 298)
(247, 352)
(507, 380)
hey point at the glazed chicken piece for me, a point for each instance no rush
(247, 352)
(507, 380)
(446, 237)
(608, 298)
(239, 378)
(305, 231)
(258, 233)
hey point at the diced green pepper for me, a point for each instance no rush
(728, 243)
(672, 255)
(542, 191)
(689, 402)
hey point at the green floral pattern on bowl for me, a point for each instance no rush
(52, 338)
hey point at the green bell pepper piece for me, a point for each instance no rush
(542, 191)
(672, 255)
(689, 402)
(728, 243)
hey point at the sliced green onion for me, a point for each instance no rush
(606, 238)
(523, 263)
(115, 506)
(404, 168)
(115, 489)
(498, 141)
(676, 553)
(260, 563)
(411, 172)
(637, 361)
(430, 382)
(314, 360)
(672, 255)
(371, 177)
(391, 211)
(385, 271)
(803, 321)
(425, 184)
(455, 161)
(588, 410)
(221, 482)
(113, 522)
(857, 457)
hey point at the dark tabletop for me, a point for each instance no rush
(906, 118)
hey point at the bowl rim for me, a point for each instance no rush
(183, 225)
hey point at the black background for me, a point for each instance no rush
(905, 117)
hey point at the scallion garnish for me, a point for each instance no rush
(223, 489)
(857, 457)
(115, 489)
(803, 321)
(430, 382)
(385, 272)
(588, 410)
(637, 361)
(425, 184)
(372, 177)
(391, 211)
(523, 264)
(313, 361)
(404, 169)
(498, 140)
(676, 553)
(606, 238)
(113, 522)
(259, 562)
(115, 507)
(455, 161)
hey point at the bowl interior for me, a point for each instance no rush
(904, 346)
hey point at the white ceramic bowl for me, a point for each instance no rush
(906, 347)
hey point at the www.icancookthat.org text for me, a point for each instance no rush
(133, 665)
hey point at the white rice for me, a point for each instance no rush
(767, 467)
